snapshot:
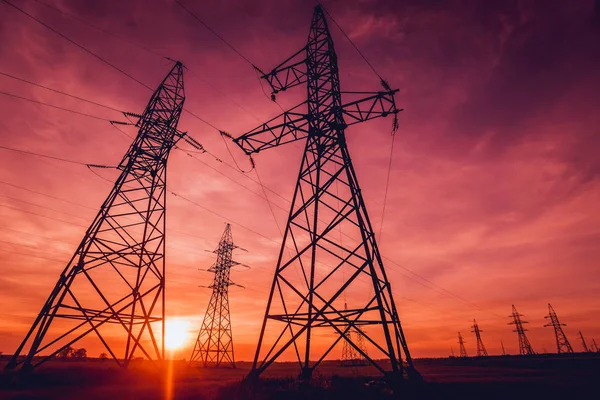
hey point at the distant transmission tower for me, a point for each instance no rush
(595, 346)
(584, 344)
(562, 343)
(481, 351)
(113, 286)
(524, 345)
(350, 356)
(503, 351)
(463, 350)
(214, 345)
(306, 299)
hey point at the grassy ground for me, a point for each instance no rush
(485, 378)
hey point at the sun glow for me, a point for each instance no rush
(176, 333)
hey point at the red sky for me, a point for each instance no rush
(495, 180)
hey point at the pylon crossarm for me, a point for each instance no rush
(379, 104)
(286, 128)
(290, 73)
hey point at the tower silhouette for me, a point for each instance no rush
(524, 345)
(584, 344)
(562, 343)
(304, 298)
(351, 357)
(503, 351)
(595, 346)
(461, 343)
(114, 285)
(214, 345)
(481, 351)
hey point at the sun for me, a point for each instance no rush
(176, 333)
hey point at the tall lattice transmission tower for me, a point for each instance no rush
(562, 343)
(463, 349)
(351, 357)
(481, 351)
(305, 299)
(214, 345)
(114, 285)
(524, 345)
(584, 344)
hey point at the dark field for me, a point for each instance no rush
(548, 377)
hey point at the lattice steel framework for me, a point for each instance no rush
(114, 285)
(481, 351)
(305, 298)
(562, 343)
(214, 345)
(524, 345)
(351, 357)
(463, 349)
(584, 344)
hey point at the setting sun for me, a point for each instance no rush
(177, 333)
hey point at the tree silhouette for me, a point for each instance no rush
(65, 353)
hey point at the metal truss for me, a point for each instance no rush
(114, 285)
(351, 357)
(462, 348)
(305, 300)
(524, 345)
(562, 343)
(214, 345)
(481, 351)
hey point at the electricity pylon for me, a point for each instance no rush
(463, 350)
(584, 344)
(524, 345)
(503, 351)
(595, 346)
(214, 345)
(562, 343)
(113, 286)
(481, 351)
(305, 298)
(351, 357)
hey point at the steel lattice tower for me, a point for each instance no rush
(595, 346)
(562, 343)
(524, 345)
(114, 285)
(304, 298)
(351, 357)
(214, 345)
(463, 349)
(481, 351)
(503, 351)
(584, 344)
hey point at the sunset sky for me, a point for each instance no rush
(495, 180)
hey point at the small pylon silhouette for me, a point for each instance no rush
(351, 356)
(214, 345)
(463, 350)
(595, 346)
(113, 285)
(584, 344)
(481, 351)
(562, 343)
(503, 351)
(524, 345)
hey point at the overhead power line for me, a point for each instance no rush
(60, 92)
(77, 44)
(216, 34)
(53, 106)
